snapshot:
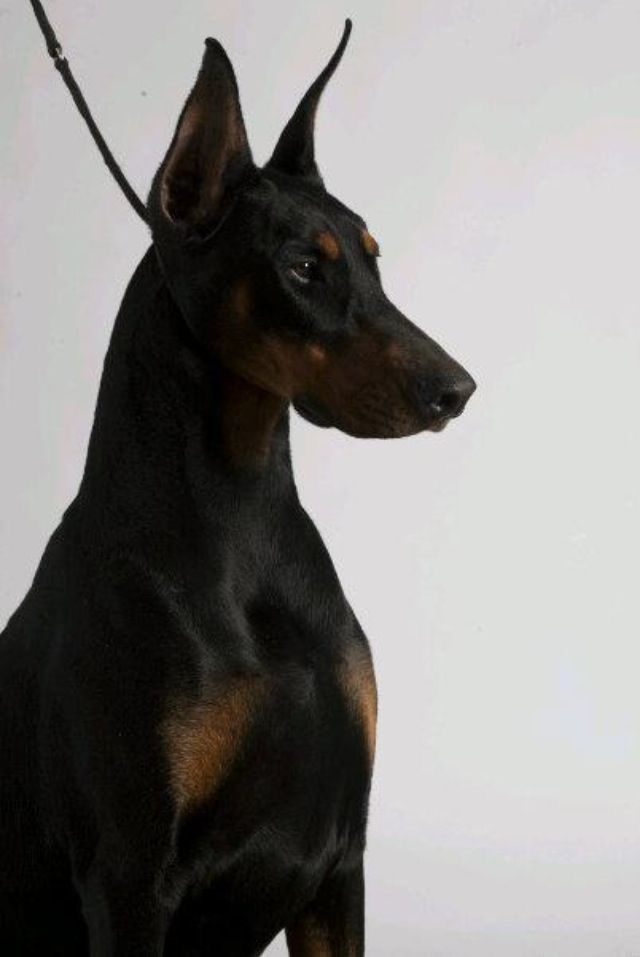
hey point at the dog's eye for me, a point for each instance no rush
(303, 271)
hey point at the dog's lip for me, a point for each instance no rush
(438, 425)
(318, 417)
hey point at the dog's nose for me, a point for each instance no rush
(450, 397)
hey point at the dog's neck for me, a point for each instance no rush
(176, 437)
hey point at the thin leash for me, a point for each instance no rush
(54, 49)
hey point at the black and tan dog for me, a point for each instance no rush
(187, 702)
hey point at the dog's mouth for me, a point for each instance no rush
(312, 412)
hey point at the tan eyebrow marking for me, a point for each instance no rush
(369, 243)
(328, 244)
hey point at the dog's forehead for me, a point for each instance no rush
(303, 209)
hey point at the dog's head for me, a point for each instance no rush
(280, 280)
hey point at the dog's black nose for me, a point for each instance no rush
(449, 398)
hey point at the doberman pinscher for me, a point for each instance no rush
(187, 702)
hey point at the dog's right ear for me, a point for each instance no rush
(209, 155)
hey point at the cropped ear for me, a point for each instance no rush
(209, 154)
(295, 152)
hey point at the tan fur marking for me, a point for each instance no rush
(249, 417)
(250, 410)
(306, 939)
(318, 354)
(359, 684)
(329, 245)
(369, 243)
(309, 938)
(203, 739)
(241, 298)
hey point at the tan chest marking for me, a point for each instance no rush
(305, 939)
(203, 739)
(309, 938)
(359, 684)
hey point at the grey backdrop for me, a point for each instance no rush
(494, 148)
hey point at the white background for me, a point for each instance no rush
(494, 148)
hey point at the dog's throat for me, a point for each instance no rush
(249, 420)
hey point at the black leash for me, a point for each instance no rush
(54, 49)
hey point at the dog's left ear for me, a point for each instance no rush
(209, 155)
(295, 151)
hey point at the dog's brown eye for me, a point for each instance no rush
(303, 270)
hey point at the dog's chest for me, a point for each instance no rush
(245, 722)
(270, 767)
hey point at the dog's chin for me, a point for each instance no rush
(388, 429)
(312, 414)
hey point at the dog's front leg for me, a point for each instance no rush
(333, 924)
(125, 916)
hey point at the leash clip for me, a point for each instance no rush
(57, 55)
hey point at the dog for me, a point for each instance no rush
(187, 701)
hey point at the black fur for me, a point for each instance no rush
(186, 573)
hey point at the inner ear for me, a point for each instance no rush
(182, 184)
(209, 153)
